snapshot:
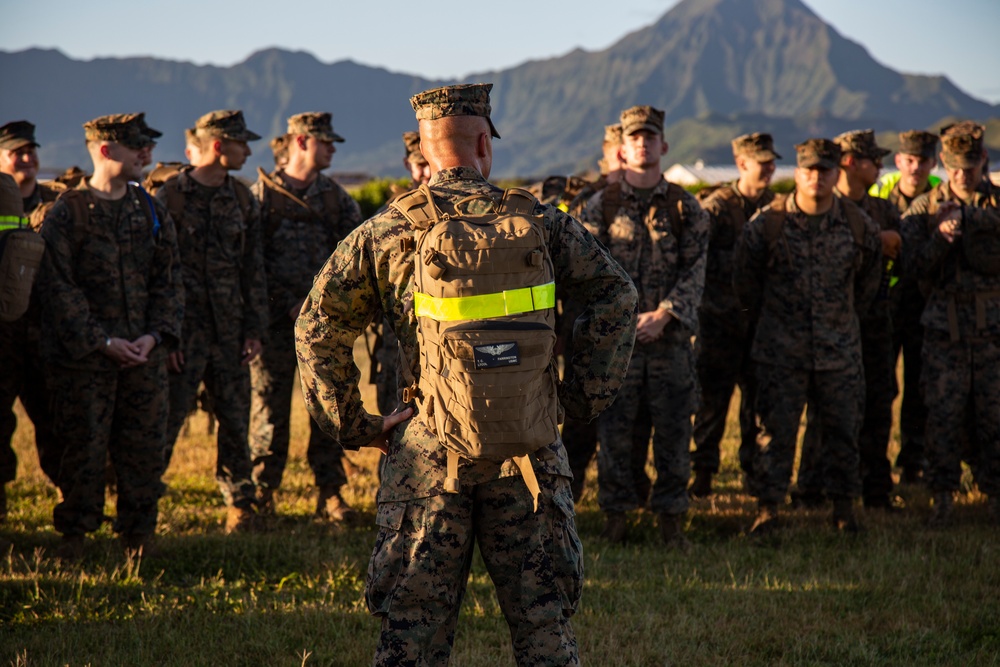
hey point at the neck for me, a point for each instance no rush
(300, 175)
(27, 187)
(850, 188)
(105, 185)
(912, 193)
(811, 206)
(644, 179)
(751, 192)
(210, 175)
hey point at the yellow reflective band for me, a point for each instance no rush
(485, 306)
(12, 222)
(563, 206)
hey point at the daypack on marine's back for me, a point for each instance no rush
(484, 298)
(21, 253)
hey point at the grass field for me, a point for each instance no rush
(899, 594)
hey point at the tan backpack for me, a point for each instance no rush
(484, 298)
(21, 253)
(774, 225)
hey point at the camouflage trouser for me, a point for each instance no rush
(22, 375)
(723, 362)
(124, 414)
(908, 339)
(273, 380)
(962, 379)
(876, 424)
(838, 398)
(217, 364)
(661, 378)
(423, 552)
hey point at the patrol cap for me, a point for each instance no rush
(120, 128)
(71, 177)
(918, 142)
(757, 146)
(11, 204)
(412, 142)
(279, 146)
(642, 117)
(146, 130)
(613, 134)
(469, 99)
(224, 124)
(17, 134)
(861, 143)
(317, 124)
(821, 153)
(962, 145)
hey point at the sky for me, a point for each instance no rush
(451, 38)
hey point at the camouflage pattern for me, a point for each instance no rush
(113, 279)
(861, 143)
(918, 142)
(537, 569)
(224, 124)
(226, 304)
(369, 275)
(642, 117)
(279, 146)
(17, 134)
(315, 124)
(146, 130)
(811, 290)
(121, 128)
(817, 153)
(471, 99)
(296, 244)
(613, 134)
(758, 146)
(961, 323)
(411, 140)
(725, 335)
(962, 145)
(669, 274)
(387, 370)
(24, 375)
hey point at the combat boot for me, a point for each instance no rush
(138, 546)
(766, 520)
(615, 526)
(701, 487)
(265, 502)
(240, 520)
(331, 506)
(843, 516)
(941, 510)
(672, 532)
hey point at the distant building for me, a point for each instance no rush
(699, 172)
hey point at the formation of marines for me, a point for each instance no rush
(802, 300)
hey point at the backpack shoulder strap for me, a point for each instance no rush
(611, 201)
(855, 220)
(149, 209)
(418, 207)
(518, 201)
(243, 195)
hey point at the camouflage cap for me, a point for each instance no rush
(470, 99)
(412, 142)
(642, 117)
(17, 134)
(757, 146)
(224, 124)
(861, 143)
(279, 146)
(317, 124)
(918, 142)
(11, 203)
(145, 129)
(120, 128)
(613, 134)
(962, 145)
(821, 153)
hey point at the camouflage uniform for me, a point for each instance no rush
(23, 375)
(961, 322)
(226, 304)
(806, 293)
(668, 272)
(297, 242)
(118, 277)
(722, 349)
(421, 560)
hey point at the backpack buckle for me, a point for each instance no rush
(410, 393)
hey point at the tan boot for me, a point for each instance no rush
(138, 546)
(265, 502)
(332, 507)
(71, 548)
(701, 487)
(240, 520)
(766, 520)
(843, 516)
(672, 532)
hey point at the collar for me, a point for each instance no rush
(456, 174)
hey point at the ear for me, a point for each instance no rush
(666, 147)
(217, 147)
(482, 144)
(300, 141)
(106, 151)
